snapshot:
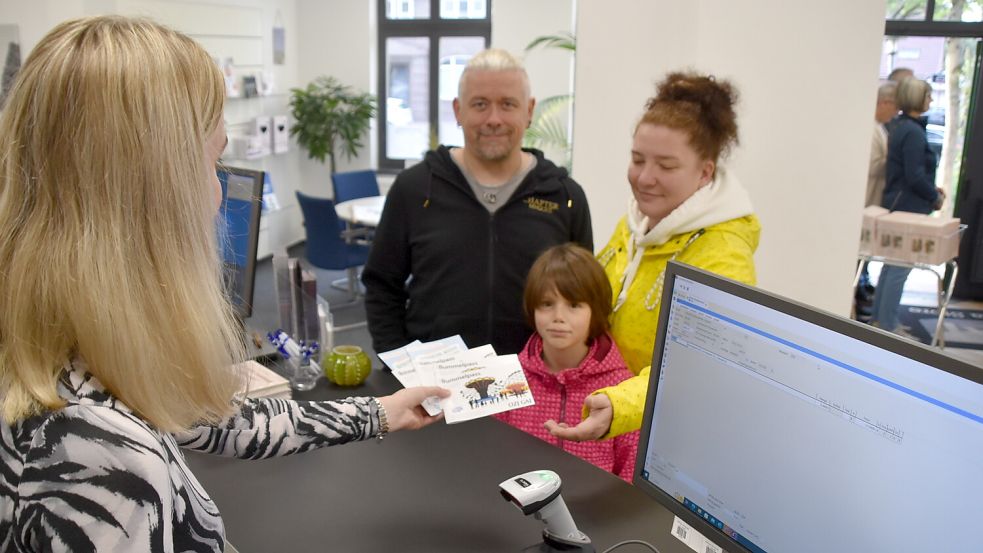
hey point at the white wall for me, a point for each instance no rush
(515, 23)
(615, 73)
(338, 39)
(37, 17)
(807, 79)
(243, 29)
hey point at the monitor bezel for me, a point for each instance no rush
(847, 327)
(245, 309)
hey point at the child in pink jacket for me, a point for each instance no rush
(568, 300)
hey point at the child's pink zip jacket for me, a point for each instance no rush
(561, 397)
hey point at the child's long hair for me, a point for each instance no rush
(572, 272)
(107, 224)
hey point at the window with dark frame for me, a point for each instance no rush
(424, 46)
(945, 18)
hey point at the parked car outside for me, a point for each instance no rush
(936, 115)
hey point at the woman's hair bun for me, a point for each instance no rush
(699, 89)
(699, 104)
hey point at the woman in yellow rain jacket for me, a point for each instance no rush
(686, 207)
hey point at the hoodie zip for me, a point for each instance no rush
(515, 197)
(491, 275)
(439, 167)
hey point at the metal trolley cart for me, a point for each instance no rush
(944, 290)
(944, 294)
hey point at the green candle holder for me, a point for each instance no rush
(346, 365)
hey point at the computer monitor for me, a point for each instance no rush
(242, 196)
(772, 426)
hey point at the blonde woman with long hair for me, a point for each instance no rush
(116, 340)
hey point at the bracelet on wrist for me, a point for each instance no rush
(383, 419)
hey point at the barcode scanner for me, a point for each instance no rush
(537, 493)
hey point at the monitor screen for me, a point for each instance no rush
(242, 193)
(772, 426)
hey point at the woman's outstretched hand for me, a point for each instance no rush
(404, 411)
(597, 423)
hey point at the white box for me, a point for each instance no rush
(891, 232)
(935, 240)
(917, 238)
(263, 130)
(245, 146)
(868, 229)
(281, 134)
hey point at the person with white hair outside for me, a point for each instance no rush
(886, 109)
(884, 112)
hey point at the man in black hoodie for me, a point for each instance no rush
(460, 230)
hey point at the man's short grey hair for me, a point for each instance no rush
(911, 95)
(494, 59)
(887, 91)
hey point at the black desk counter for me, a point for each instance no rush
(431, 490)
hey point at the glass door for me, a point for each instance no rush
(969, 201)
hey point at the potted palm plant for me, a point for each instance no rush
(330, 118)
(549, 128)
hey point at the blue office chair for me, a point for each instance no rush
(354, 184)
(326, 249)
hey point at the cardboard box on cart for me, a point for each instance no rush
(868, 229)
(917, 238)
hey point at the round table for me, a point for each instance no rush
(361, 211)
(360, 215)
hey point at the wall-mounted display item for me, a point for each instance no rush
(266, 83)
(249, 86)
(9, 57)
(231, 83)
(281, 134)
(279, 42)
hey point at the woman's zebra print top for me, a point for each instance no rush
(95, 477)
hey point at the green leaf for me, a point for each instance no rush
(548, 128)
(329, 116)
(562, 41)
